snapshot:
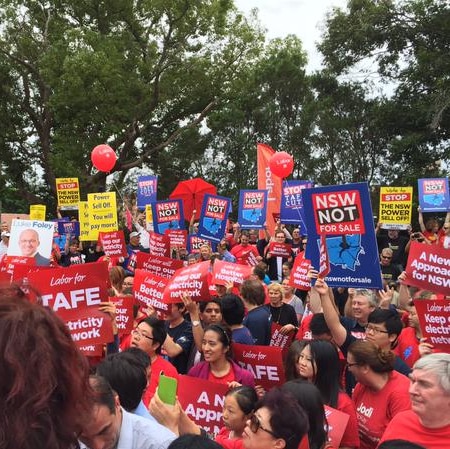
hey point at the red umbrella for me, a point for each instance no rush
(192, 192)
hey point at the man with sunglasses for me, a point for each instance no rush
(389, 271)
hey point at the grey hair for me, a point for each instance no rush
(439, 364)
(369, 294)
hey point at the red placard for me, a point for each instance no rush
(74, 293)
(278, 339)
(192, 280)
(177, 237)
(265, 362)
(337, 422)
(91, 350)
(225, 272)
(428, 267)
(159, 244)
(124, 313)
(324, 267)
(280, 249)
(148, 289)
(162, 266)
(202, 401)
(299, 273)
(113, 243)
(434, 320)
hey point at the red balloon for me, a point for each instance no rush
(281, 164)
(103, 158)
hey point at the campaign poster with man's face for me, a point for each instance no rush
(31, 238)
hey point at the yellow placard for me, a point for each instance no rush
(83, 214)
(37, 212)
(102, 213)
(149, 216)
(395, 207)
(68, 192)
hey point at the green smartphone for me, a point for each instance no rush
(167, 389)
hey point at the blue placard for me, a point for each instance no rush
(434, 195)
(252, 209)
(213, 218)
(343, 214)
(146, 190)
(291, 209)
(69, 227)
(167, 214)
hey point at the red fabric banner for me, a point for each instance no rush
(160, 265)
(428, 268)
(148, 289)
(225, 272)
(265, 362)
(192, 280)
(202, 401)
(268, 181)
(74, 293)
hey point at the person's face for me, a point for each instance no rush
(205, 252)
(413, 319)
(354, 368)
(253, 236)
(244, 240)
(135, 240)
(4, 227)
(233, 417)
(28, 243)
(280, 237)
(295, 234)
(174, 314)
(361, 308)
(192, 260)
(286, 270)
(377, 333)
(305, 364)
(275, 297)
(446, 228)
(102, 429)
(128, 282)
(213, 349)
(428, 398)
(261, 439)
(392, 234)
(385, 258)
(73, 248)
(212, 313)
(288, 290)
(142, 338)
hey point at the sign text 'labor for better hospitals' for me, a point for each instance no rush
(75, 293)
(395, 207)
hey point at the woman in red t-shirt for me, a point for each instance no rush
(238, 407)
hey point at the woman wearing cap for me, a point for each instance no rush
(218, 365)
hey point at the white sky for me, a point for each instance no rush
(303, 18)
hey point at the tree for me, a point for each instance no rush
(132, 74)
(406, 43)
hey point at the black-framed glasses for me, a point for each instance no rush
(349, 365)
(136, 332)
(255, 424)
(375, 330)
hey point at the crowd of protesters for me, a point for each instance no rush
(358, 351)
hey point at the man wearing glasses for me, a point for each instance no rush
(389, 271)
(383, 328)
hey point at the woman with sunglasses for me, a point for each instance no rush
(149, 335)
(380, 393)
(238, 408)
(218, 365)
(317, 361)
(278, 423)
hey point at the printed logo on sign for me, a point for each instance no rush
(253, 200)
(216, 208)
(338, 213)
(167, 211)
(292, 196)
(434, 186)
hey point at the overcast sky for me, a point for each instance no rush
(303, 18)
